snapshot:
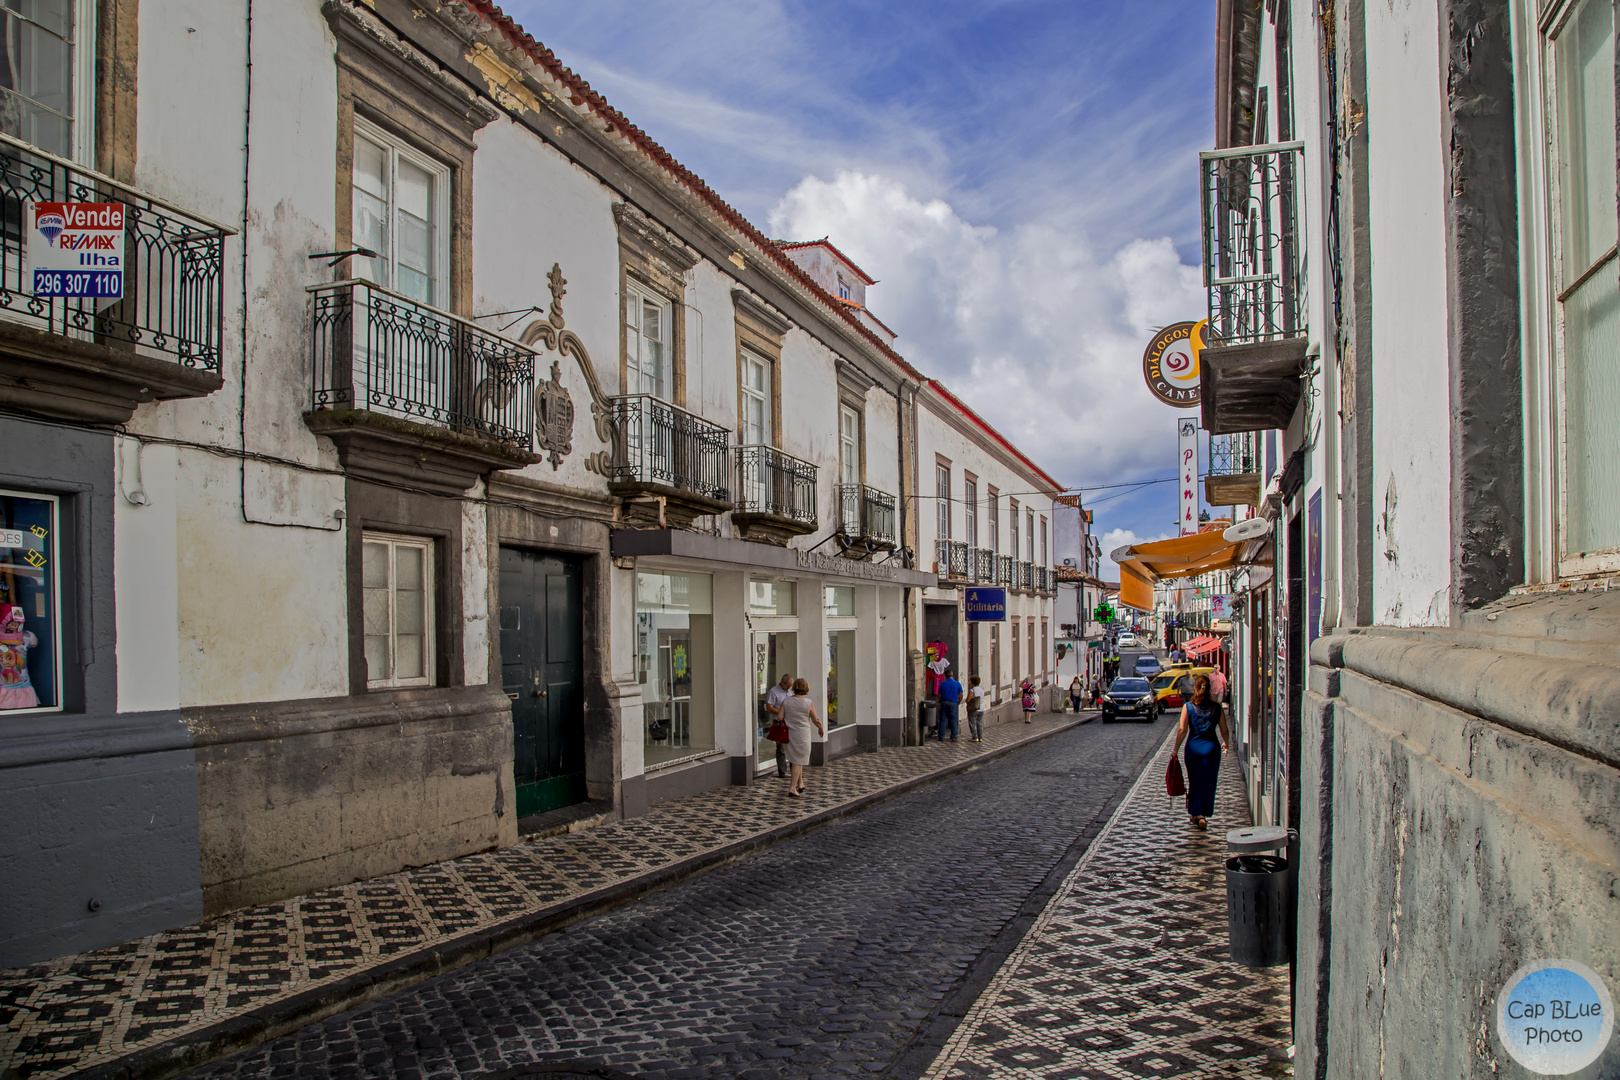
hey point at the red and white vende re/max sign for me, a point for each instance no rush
(76, 249)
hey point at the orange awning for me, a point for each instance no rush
(1140, 565)
(1198, 646)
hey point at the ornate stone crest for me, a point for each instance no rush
(554, 417)
(553, 406)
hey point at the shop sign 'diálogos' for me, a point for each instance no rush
(76, 249)
(1555, 1017)
(1170, 363)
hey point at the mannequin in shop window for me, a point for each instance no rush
(16, 690)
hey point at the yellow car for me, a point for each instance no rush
(1173, 686)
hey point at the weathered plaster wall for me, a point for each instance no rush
(1411, 440)
(1464, 842)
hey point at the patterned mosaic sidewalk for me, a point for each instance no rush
(1126, 974)
(77, 1012)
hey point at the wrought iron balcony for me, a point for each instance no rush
(984, 566)
(159, 339)
(407, 374)
(1006, 573)
(776, 494)
(1253, 273)
(1234, 470)
(951, 557)
(865, 513)
(1026, 576)
(661, 446)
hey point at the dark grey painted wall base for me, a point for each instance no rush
(683, 780)
(99, 810)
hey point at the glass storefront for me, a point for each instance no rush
(776, 653)
(839, 606)
(771, 598)
(30, 599)
(675, 663)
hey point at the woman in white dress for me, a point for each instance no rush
(799, 713)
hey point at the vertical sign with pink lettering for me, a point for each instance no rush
(1187, 453)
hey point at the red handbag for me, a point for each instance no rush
(778, 732)
(1174, 784)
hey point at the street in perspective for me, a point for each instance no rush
(650, 541)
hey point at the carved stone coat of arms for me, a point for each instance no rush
(554, 417)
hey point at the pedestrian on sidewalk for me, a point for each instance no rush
(800, 713)
(1076, 692)
(1202, 718)
(1029, 702)
(1217, 684)
(775, 698)
(975, 696)
(950, 699)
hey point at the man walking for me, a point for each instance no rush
(950, 699)
(775, 697)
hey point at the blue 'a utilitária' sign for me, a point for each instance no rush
(987, 605)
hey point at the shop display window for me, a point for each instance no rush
(840, 676)
(771, 598)
(775, 655)
(30, 603)
(675, 663)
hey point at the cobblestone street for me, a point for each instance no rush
(828, 955)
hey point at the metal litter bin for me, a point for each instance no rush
(1260, 892)
(928, 717)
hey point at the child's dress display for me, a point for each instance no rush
(16, 691)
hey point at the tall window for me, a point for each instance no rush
(1043, 542)
(993, 516)
(40, 64)
(942, 499)
(995, 658)
(398, 606)
(400, 206)
(1012, 525)
(970, 512)
(647, 340)
(849, 445)
(756, 401)
(1013, 637)
(1029, 531)
(1583, 87)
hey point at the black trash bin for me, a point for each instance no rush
(1260, 898)
(928, 717)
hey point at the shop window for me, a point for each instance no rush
(30, 603)
(675, 664)
(776, 654)
(771, 598)
(840, 675)
(840, 601)
(400, 204)
(397, 583)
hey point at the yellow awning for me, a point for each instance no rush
(1177, 557)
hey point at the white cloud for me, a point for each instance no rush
(1114, 539)
(1031, 326)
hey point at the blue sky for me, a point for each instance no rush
(1020, 175)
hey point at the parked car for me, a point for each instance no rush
(1174, 686)
(1147, 666)
(1129, 697)
(1127, 640)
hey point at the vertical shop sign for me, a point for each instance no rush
(1187, 455)
(76, 249)
(1313, 569)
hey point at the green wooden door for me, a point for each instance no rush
(541, 673)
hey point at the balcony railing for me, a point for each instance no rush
(952, 557)
(655, 442)
(1026, 576)
(771, 482)
(173, 264)
(984, 566)
(1005, 572)
(1234, 455)
(1252, 243)
(866, 512)
(381, 351)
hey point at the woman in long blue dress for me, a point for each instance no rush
(1201, 720)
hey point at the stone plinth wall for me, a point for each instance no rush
(1460, 817)
(302, 795)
